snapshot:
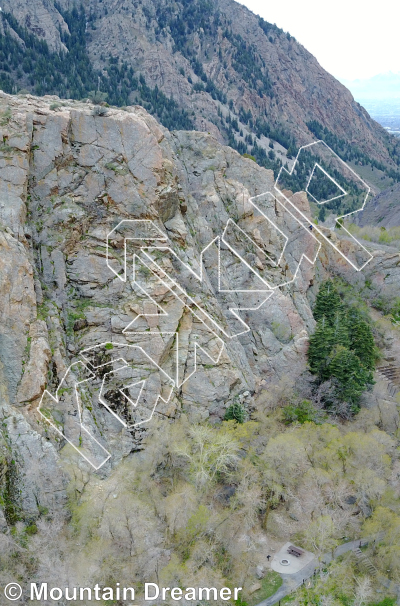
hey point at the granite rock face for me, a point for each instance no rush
(68, 178)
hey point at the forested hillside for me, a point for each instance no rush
(208, 65)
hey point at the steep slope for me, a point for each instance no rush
(233, 74)
(384, 209)
(69, 176)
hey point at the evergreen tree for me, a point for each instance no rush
(235, 412)
(321, 345)
(327, 303)
(72, 74)
(340, 326)
(341, 349)
(362, 343)
(351, 377)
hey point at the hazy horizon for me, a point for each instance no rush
(385, 87)
(348, 41)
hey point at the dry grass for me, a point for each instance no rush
(390, 236)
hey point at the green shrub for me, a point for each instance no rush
(99, 110)
(395, 311)
(305, 412)
(235, 412)
(385, 602)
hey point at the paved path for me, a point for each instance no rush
(292, 581)
(345, 547)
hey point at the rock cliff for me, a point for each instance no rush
(68, 177)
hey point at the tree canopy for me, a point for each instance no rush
(342, 348)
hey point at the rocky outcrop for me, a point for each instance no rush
(34, 379)
(69, 177)
(42, 19)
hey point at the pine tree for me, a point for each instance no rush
(340, 327)
(341, 350)
(235, 412)
(321, 344)
(351, 377)
(362, 344)
(327, 303)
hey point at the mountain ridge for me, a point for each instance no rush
(211, 66)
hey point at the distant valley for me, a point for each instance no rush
(380, 95)
(386, 112)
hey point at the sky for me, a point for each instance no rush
(349, 41)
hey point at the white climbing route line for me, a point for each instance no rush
(279, 187)
(134, 245)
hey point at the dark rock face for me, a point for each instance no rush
(80, 324)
